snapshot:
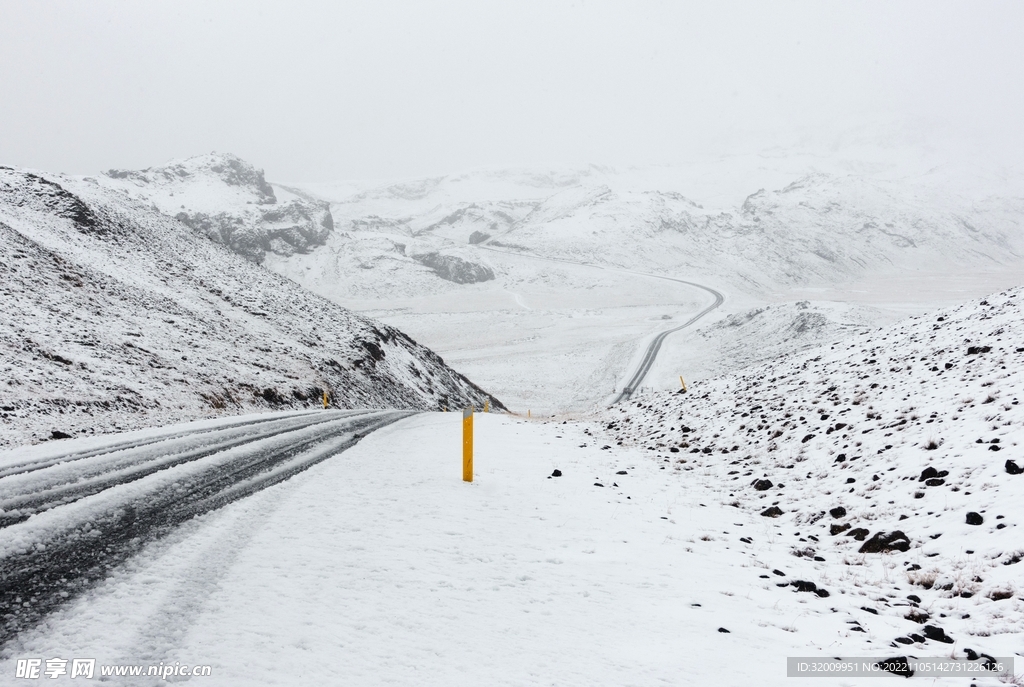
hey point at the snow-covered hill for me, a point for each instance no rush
(228, 200)
(886, 467)
(814, 227)
(116, 316)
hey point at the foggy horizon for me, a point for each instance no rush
(321, 93)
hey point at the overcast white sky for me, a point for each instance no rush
(336, 90)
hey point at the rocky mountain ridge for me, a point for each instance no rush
(229, 201)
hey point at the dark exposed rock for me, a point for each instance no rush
(858, 533)
(934, 482)
(294, 227)
(1013, 469)
(836, 529)
(556, 473)
(937, 634)
(772, 512)
(886, 541)
(57, 434)
(455, 269)
(763, 484)
(54, 199)
(917, 616)
(897, 666)
(974, 518)
(974, 350)
(838, 512)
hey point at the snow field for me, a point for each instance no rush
(380, 566)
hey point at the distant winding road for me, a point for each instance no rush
(67, 519)
(651, 353)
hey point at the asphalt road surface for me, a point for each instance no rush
(68, 518)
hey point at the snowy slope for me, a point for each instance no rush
(228, 200)
(911, 434)
(116, 317)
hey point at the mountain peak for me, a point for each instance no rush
(225, 168)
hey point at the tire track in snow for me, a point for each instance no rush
(49, 559)
(651, 352)
(66, 478)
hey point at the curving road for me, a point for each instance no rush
(66, 519)
(651, 353)
(652, 348)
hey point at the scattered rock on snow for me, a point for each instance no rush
(838, 512)
(974, 518)
(937, 634)
(1012, 468)
(772, 512)
(886, 541)
(931, 473)
(763, 484)
(917, 616)
(896, 666)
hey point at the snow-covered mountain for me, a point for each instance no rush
(764, 230)
(422, 254)
(888, 468)
(228, 200)
(117, 316)
(819, 227)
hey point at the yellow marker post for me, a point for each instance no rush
(467, 445)
(487, 406)
(528, 413)
(325, 399)
(682, 382)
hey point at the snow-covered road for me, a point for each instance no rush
(70, 512)
(380, 566)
